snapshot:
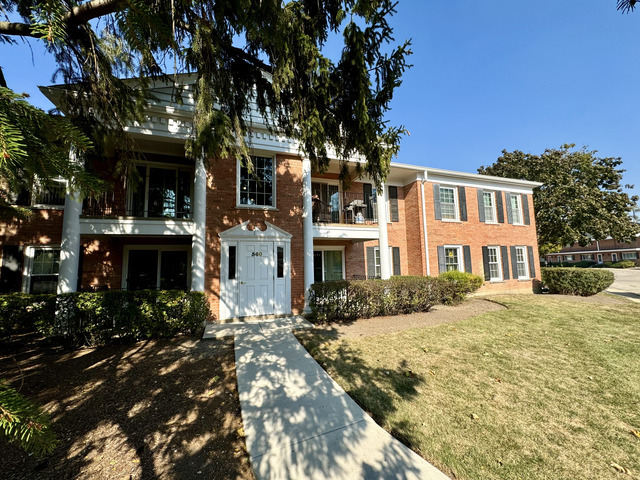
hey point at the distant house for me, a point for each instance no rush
(255, 244)
(598, 251)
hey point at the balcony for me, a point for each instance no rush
(158, 213)
(345, 215)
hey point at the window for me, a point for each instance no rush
(448, 203)
(232, 262)
(569, 258)
(586, 256)
(629, 255)
(516, 209)
(452, 259)
(378, 269)
(50, 195)
(327, 265)
(164, 192)
(42, 276)
(257, 187)
(495, 270)
(521, 262)
(280, 262)
(152, 267)
(489, 207)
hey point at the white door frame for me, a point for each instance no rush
(614, 257)
(229, 287)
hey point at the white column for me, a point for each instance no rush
(70, 245)
(424, 223)
(199, 221)
(307, 229)
(383, 241)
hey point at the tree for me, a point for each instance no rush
(23, 423)
(581, 197)
(262, 52)
(626, 6)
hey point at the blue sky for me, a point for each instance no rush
(491, 75)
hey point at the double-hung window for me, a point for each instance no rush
(448, 203)
(42, 269)
(516, 209)
(586, 256)
(495, 265)
(568, 258)
(328, 265)
(629, 255)
(257, 188)
(453, 259)
(522, 263)
(489, 201)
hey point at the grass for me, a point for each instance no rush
(547, 388)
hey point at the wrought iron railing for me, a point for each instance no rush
(346, 208)
(107, 205)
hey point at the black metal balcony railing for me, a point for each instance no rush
(346, 208)
(107, 206)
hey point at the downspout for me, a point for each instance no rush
(424, 224)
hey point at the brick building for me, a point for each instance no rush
(598, 251)
(255, 244)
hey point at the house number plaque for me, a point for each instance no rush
(256, 254)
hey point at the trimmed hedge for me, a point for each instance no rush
(624, 264)
(348, 300)
(96, 318)
(576, 281)
(21, 312)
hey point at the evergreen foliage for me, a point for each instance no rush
(581, 198)
(262, 53)
(23, 423)
(576, 281)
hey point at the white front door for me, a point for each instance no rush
(256, 278)
(599, 258)
(614, 257)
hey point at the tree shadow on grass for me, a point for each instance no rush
(165, 408)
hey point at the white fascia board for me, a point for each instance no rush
(437, 175)
(343, 232)
(129, 226)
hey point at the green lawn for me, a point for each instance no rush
(547, 389)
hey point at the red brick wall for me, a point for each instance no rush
(222, 215)
(477, 234)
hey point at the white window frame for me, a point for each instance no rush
(493, 209)
(589, 257)
(460, 263)
(456, 204)
(525, 257)
(378, 263)
(519, 209)
(600, 258)
(500, 276)
(324, 248)
(569, 258)
(628, 257)
(127, 249)
(27, 268)
(274, 166)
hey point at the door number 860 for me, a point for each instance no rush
(256, 254)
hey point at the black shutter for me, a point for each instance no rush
(485, 263)
(514, 263)
(525, 209)
(499, 207)
(11, 270)
(507, 200)
(466, 253)
(481, 205)
(396, 260)
(436, 201)
(367, 191)
(442, 267)
(371, 262)
(504, 253)
(532, 263)
(462, 200)
(393, 204)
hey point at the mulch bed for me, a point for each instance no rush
(155, 409)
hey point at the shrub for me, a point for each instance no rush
(624, 264)
(576, 281)
(21, 312)
(95, 318)
(348, 300)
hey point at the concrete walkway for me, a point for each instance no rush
(626, 283)
(298, 422)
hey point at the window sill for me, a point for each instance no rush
(496, 281)
(447, 220)
(524, 279)
(257, 207)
